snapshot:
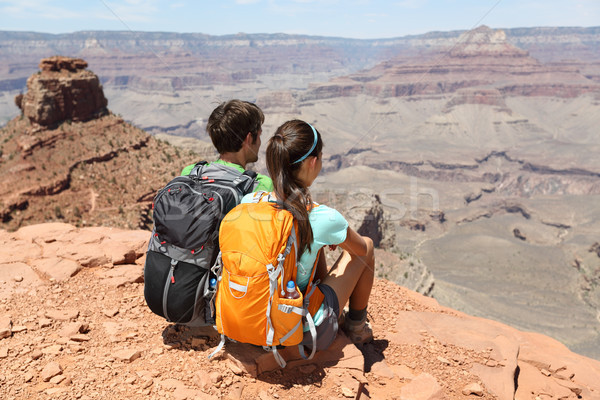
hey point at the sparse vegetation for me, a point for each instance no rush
(58, 212)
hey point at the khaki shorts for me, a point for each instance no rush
(327, 330)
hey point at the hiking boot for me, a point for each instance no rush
(357, 331)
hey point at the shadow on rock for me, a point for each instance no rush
(373, 352)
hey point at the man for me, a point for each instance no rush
(234, 128)
(184, 243)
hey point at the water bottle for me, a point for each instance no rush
(290, 291)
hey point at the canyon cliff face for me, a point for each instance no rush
(481, 59)
(187, 73)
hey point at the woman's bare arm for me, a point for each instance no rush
(354, 243)
(321, 272)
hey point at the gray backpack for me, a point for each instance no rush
(179, 281)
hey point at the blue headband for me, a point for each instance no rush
(312, 147)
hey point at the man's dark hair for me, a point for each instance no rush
(230, 123)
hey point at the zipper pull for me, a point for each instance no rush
(173, 264)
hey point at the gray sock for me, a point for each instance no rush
(357, 315)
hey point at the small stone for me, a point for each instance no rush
(3, 352)
(473, 388)
(18, 278)
(443, 360)
(128, 355)
(19, 328)
(110, 312)
(131, 335)
(53, 349)
(491, 363)
(35, 354)
(28, 377)
(172, 346)
(5, 327)
(235, 368)
(50, 371)
(215, 377)
(347, 392)
(73, 328)
(146, 383)
(79, 338)
(45, 322)
(560, 374)
(545, 372)
(75, 347)
(57, 379)
(62, 315)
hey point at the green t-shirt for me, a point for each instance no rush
(264, 182)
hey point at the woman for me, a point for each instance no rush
(294, 159)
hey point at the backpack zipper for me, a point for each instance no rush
(169, 282)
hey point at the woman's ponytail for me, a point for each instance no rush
(291, 141)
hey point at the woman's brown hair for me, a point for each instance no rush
(291, 143)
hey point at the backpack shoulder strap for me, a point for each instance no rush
(245, 182)
(196, 172)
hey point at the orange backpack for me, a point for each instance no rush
(258, 255)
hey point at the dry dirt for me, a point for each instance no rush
(103, 342)
(74, 325)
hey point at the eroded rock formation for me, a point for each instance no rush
(62, 90)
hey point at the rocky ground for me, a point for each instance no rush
(74, 325)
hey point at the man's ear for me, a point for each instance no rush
(249, 140)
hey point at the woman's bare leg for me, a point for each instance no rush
(351, 278)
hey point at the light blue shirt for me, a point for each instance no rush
(329, 227)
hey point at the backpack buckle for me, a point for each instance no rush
(286, 308)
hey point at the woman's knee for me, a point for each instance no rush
(370, 256)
